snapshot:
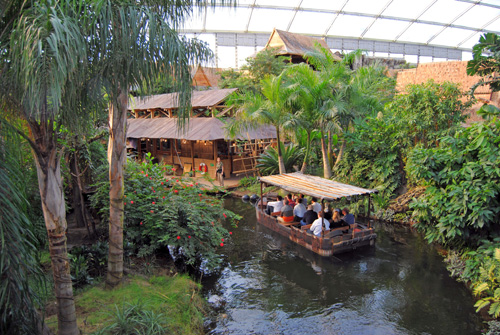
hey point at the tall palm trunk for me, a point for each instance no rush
(341, 153)
(306, 156)
(116, 157)
(281, 162)
(327, 171)
(48, 168)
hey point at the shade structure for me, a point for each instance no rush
(199, 99)
(315, 186)
(198, 129)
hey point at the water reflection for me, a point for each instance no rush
(272, 286)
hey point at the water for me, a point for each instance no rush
(272, 286)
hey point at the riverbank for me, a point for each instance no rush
(160, 304)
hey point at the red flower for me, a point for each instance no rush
(146, 174)
(132, 202)
(152, 211)
(224, 215)
(150, 178)
(125, 195)
(162, 183)
(191, 185)
(230, 233)
(177, 181)
(163, 197)
(221, 244)
(199, 194)
(140, 223)
(176, 191)
(124, 203)
(142, 171)
(173, 169)
(189, 236)
(153, 202)
(178, 237)
(222, 239)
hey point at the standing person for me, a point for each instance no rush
(220, 172)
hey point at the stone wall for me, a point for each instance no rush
(454, 71)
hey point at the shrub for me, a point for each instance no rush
(267, 163)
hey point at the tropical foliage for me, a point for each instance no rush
(169, 214)
(267, 163)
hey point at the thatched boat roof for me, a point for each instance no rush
(314, 186)
(201, 128)
(199, 99)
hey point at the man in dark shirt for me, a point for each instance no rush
(309, 216)
(348, 218)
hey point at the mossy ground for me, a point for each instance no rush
(177, 298)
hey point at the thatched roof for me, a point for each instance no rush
(294, 44)
(199, 99)
(314, 186)
(202, 129)
(205, 76)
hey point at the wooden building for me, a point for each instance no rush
(152, 127)
(295, 46)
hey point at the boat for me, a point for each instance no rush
(336, 241)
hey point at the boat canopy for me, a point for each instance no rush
(313, 186)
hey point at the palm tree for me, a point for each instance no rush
(133, 44)
(43, 57)
(271, 107)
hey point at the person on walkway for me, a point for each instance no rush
(220, 172)
(298, 211)
(319, 224)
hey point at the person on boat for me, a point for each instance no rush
(316, 205)
(328, 212)
(348, 218)
(219, 172)
(309, 216)
(286, 212)
(298, 211)
(335, 221)
(274, 206)
(291, 202)
(319, 225)
(302, 199)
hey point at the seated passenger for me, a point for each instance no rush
(316, 205)
(309, 216)
(319, 225)
(347, 218)
(286, 214)
(335, 221)
(298, 211)
(302, 199)
(290, 200)
(328, 212)
(274, 206)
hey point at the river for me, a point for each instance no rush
(272, 286)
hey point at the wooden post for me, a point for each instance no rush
(261, 198)
(369, 207)
(214, 147)
(192, 155)
(172, 143)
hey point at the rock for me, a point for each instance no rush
(216, 301)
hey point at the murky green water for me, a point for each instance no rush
(272, 286)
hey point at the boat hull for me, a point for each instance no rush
(324, 246)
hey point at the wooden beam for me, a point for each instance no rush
(192, 154)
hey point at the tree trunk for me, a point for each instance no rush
(327, 171)
(330, 148)
(77, 192)
(281, 162)
(306, 156)
(116, 157)
(341, 153)
(48, 167)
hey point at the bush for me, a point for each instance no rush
(173, 213)
(268, 164)
(248, 181)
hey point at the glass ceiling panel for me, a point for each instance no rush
(322, 4)
(419, 32)
(451, 37)
(477, 16)
(406, 9)
(311, 23)
(385, 29)
(492, 2)
(267, 19)
(349, 25)
(365, 6)
(279, 3)
(228, 19)
(444, 11)
(471, 41)
(494, 26)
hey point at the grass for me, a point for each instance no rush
(176, 298)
